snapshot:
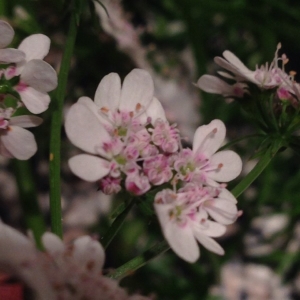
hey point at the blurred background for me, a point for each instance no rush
(176, 42)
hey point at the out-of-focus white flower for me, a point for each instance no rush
(260, 240)
(251, 282)
(267, 76)
(71, 272)
(8, 55)
(15, 141)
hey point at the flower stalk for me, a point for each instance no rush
(56, 123)
(139, 261)
(257, 170)
(116, 225)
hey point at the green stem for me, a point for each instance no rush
(56, 123)
(161, 247)
(230, 144)
(256, 171)
(116, 225)
(28, 198)
(140, 261)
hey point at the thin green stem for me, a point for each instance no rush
(139, 261)
(228, 145)
(116, 225)
(56, 123)
(257, 170)
(28, 198)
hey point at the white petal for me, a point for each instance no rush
(53, 244)
(36, 46)
(10, 55)
(26, 121)
(213, 84)
(88, 167)
(209, 138)
(234, 60)
(214, 229)
(3, 151)
(104, 120)
(226, 65)
(137, 89)
(225, 75)
(231, 166)
(222, 211)
(155, 111)
(225, 194)
(108, 92)
(89, 254)
(182, 241)
(36, 102)
(84, 128)
(6, 34)
(39, 75)
(15, 248)
(19, 142)
(18, 257)
(208, 243)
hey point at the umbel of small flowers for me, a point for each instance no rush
(130, 145)
(25, 80)
(268, 93)
(61, 272)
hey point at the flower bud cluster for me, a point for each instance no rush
(25, 80)
(132, 146)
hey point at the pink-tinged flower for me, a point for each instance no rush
(15, 141)
(112, 129)
(8, 55)
(214, 85)
(203, 164)
(183, 223)
(137, 183)
(122, 108)
(218, 203)
(266, 76)
(165, 136)
(37, 77)
(157, 169)
(110, 185)
(72, 272)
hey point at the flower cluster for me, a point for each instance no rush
(269, 95)
(61, 272)
(266, 77)
(131, 145)
(25, 80)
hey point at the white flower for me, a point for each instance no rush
(15, 141)
(266, 76)
(184, 222)
(8, 55)
(203, 164)
(214, 85)
(37, 77)
(134, 99)
(71, 272)
(102, 128)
